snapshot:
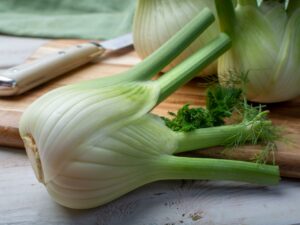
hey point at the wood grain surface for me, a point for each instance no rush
(285, 115)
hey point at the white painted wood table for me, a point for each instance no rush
(25, 201)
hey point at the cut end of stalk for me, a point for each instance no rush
(34, 157)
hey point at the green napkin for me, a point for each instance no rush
(87, 19)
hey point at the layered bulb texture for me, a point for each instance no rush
(90, 146)
(92, 142)
(265, 47)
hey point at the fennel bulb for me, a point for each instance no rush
(156, 21)
(92, 142)
(265, 46)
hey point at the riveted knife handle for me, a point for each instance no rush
(19, 79)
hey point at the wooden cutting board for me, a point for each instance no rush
(286, 115)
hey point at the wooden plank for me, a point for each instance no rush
(286, 114)
(9, 133)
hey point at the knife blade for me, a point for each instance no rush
(24, 77)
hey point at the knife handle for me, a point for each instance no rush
(19, 79)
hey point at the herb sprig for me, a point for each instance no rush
(228, 103)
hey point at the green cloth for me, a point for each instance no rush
(87, 19)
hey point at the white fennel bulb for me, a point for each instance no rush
(265, 46)
(92, 142)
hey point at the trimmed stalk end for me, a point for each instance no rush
(34, 157)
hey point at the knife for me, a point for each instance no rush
(24, 77)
